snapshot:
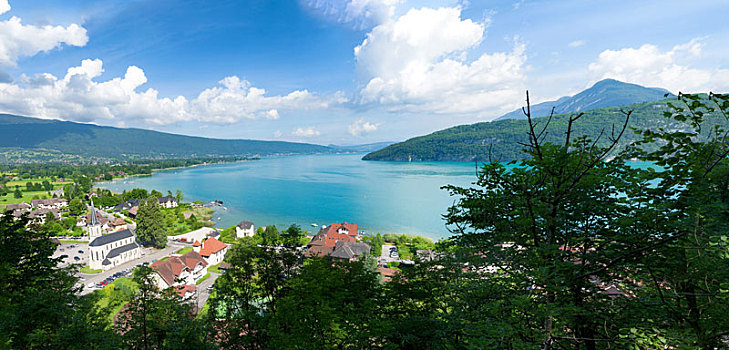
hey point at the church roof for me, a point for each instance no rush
(110, 238)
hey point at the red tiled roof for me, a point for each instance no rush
(211, 246)
(171, 268)
(196, 244)
(183, 289)
(326, 240)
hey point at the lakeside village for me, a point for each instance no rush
(106, 241)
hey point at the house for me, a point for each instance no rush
(325, 241)
(51, 203)
(118, 224)
(387, 273)
(245, 229)
(113, 249)
(212, 250)
(186, 291)
(167, 202)
(128, 205)
(181, 270)
(39, 215)
(20, 206)
(350, 251)
(58, 193)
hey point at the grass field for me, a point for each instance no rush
(90, 271)
(184, 250)
(72, 241)
(207, 275)
(27, 196)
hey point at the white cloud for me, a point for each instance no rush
(360, 127)
(4, 6)
(17, 39)
(419, 62)
(78, 96)
(362, 13)
(306, 132)
(576, 43)
(649, 66)
(277, 134)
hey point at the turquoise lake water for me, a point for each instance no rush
(381, 197)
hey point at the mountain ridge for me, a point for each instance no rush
(604, 93)
(132, 143)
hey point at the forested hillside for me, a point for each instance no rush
(605, 93)
(501, 138)
(108, 142)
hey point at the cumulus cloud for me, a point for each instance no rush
(419, 62)
(306, 132)
(360, 127)
(4, 6)
(79, 96)
(649, 65)
(17, 39)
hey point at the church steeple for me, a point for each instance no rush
(93, 221)
(93, 226)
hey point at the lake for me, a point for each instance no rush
(383, 197)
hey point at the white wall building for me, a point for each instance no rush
(112, 250)
(245, 229)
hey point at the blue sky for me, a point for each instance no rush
(340, 71)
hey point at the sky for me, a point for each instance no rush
(340, 71)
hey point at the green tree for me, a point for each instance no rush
(151, 230)
(327, 306)
(47, 186)
(77, 206)
(690, 274)
(156, 319)
(179, 196)
(52, 226)
(40, 306)
(17, 193)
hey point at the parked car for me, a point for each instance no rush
(394, 254)
(76, 258)
(90, 285)
(80, 251)
(61, 249)
(211, 287)
(103, 283)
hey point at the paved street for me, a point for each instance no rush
(148, 255)
(203, 291)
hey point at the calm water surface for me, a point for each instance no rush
(378, 196)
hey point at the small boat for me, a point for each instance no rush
(314, 225)
(225, 208)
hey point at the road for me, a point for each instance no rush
(386, 252)
(203, 293)
(148, 255)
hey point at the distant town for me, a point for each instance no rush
(99, 238)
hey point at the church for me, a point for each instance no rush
(112, 250)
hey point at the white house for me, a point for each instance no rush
(245, 229)
(212, 250)
(168, 202)
(51, 203)
(113, 249)
(181, 270)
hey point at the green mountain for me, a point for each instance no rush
(501, 139)
(117, 143)
(605, 93)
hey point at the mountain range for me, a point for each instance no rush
(90, 140)
(605, 93)
(499, 139)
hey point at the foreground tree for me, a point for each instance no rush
(39, 307)
(156, 319)
(579, 238)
